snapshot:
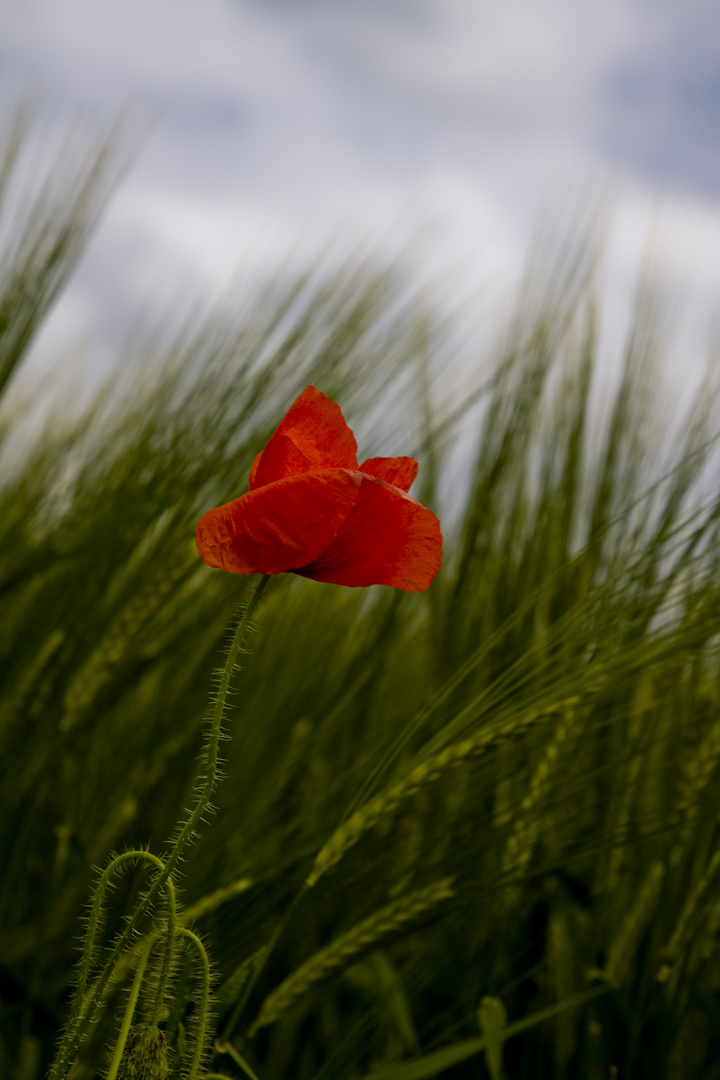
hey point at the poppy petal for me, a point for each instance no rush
(398, 471)
(388, 539)
(279, 526)
(253, 470)
(312, 435)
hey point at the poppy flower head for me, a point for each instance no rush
(311, 509)
(312, 435)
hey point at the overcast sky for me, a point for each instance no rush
(277, 123)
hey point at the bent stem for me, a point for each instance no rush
(84, 1011)
(204, 999)
(97, 905)
(96, 911)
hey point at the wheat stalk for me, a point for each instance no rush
(120, 640)
(386, 802)
(528, 827)
(691, 915)
(623, 949)
(385, 923)
(696, 775)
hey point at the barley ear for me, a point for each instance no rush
(621, 955)
(390, 920)
(386, 802)
(694, 911)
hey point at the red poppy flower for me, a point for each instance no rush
(313, 510)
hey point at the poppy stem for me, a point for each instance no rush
(218, 715)
(204, 1000)
(76, 1031)
(130, 1008)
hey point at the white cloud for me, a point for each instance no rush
(277, 122)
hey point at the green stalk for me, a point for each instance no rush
(227, 1048)
(168, 957)
(204, 999)
(130, 1008)
(97, 904)
(79, 998)
(259, 967)
(76, 1031)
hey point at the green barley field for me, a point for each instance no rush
(471, 832)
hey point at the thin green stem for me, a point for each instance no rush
(218, 715)
(204, 999)
(94, 921)
(227, 1048)
(168, 957)
(260, 965)
(97, 905)
(76, 1031)
(130, 1008)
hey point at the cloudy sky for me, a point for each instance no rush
(274, 124)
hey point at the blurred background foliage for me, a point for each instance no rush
(507, 786)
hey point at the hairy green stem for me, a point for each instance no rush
(130, 1008)
(168, 956)
(76, 1030)
(96, 910)
(97, 905)
(204, 999)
